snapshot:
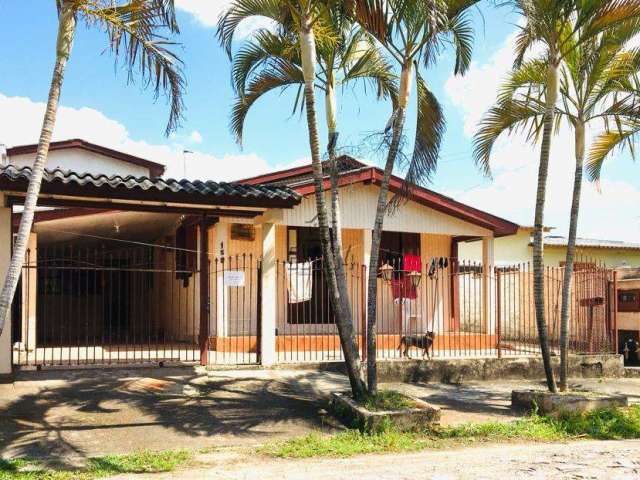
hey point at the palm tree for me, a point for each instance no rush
(313, 44)
(585, 63)
(135, 33)
(413, 32)
(271, 61)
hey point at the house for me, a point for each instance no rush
(518, 248)
(118, 262)
(143, 269)
(628, 316)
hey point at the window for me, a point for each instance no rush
(629, 300)
(394, 245)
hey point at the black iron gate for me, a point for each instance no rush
(101, 306)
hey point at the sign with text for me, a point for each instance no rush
(233, 278)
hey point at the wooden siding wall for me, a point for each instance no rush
(358, 205)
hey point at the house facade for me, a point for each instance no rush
(143, 269)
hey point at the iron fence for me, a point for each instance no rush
(81, 306)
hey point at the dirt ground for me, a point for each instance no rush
(67, 416)
(578, 460)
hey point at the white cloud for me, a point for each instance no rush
(511, 194)
(208, 12)
(195, 137)
(20, 120)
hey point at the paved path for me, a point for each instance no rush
(580, 460)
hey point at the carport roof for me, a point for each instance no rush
(71, 184)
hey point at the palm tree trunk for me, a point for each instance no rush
(66, 31)
(336, 224)
(571, 249)
(376, 236)
(340, 302)
(538, 247)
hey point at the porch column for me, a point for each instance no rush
(269, 305)
(5, 259)
(29, 295)
(222, 292)
(366, 257)
(488, 262)
(205, 299)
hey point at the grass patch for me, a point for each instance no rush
(605, 424)
(97, 467)
(387, 400)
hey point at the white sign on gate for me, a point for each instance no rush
(233, 278)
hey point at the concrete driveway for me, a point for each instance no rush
(66, 416)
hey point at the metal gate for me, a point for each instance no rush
(103, 306)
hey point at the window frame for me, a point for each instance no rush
(632, 306)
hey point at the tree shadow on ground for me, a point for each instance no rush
(59, 422)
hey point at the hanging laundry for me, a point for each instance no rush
(412, 263)
(300, 281)
(401, 288)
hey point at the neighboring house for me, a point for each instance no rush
(81, 156)
(141, 269)
(518, 248)
(628, 318)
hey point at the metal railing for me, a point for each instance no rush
(83, 306)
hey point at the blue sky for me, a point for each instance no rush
(100, 106)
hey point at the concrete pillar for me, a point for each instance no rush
(366, 257)
(5, 259)
(220, 250)
(29, 295)
(269, 306)
(488, 264)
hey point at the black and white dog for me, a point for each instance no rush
(424, 341)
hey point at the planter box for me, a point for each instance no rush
(353, 415)
(551, 403)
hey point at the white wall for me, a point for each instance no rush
(358, 207)
(82, 161)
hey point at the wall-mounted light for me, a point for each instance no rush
(386, 271)
(415, 278)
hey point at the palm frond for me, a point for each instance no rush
(279, 75)
(265, 46)
(134, 31)
(461, 29)
(606, 143)
(241, 10)
(430, 129)
(506, 117)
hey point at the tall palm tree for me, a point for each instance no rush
(313, 42)
(413, 33)
(136, 31)
(271, 61)
(573, 34)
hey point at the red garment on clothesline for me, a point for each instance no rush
(402, 288)
(412, 263)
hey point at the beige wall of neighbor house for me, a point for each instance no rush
(508, 250)
(611, 257)
(517, 249)
(82, 161)
(5, 258)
